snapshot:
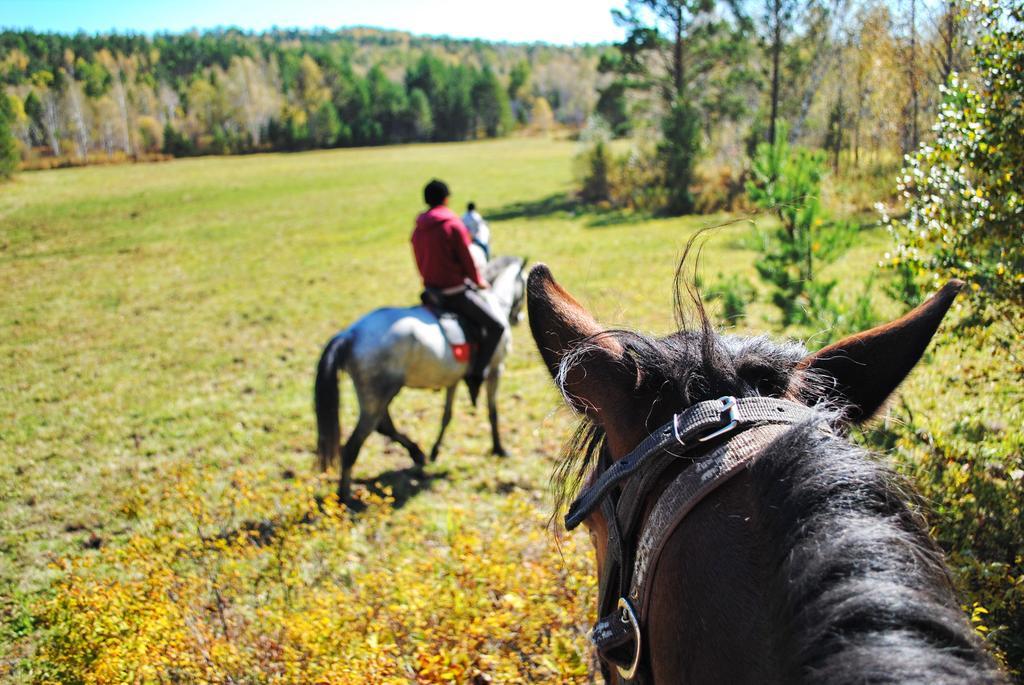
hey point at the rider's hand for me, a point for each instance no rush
(483, 285)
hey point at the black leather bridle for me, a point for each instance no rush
(721, 437)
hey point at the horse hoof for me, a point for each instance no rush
(499, 452)
(433, 456)
(354, 505)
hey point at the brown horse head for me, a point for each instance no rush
(808, 564)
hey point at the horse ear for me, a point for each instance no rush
(865, 368)
(598, 381)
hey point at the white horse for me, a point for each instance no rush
(479, 256)
(392, 348)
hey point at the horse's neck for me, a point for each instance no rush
(709, 616)
(748, 588)
(503, 288)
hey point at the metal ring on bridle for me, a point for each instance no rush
(629, 617)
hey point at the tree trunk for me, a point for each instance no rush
(776, 53)
(121, 100)
(51, 120)
(821, 63)
(949, 39)
(77, 114)
(947, 58)
(839, 135)
(914, 98)
(677, 54)
(859, 99)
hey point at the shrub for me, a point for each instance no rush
(629, 181)
(965, 204)
(177, 143)
(272, 584)
(636, 182)
(656, 179)
(963, 454)
(597, 160)
(720, 189)
(151, 134)
(964, 214)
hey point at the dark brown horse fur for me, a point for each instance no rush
(812, 566)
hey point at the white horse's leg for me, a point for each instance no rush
(387, 429)
(374, 394)
(492, 412)
(368, 421)
(449, 399)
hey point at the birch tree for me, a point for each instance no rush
(52, 120)
(120, 69)
(169, 104)
(253, 98)
(79, 117)
(107, 115)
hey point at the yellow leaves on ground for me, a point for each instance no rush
(279, 586)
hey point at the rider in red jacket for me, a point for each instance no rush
(441, 245)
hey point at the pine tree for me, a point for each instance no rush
(8, 145)
(678, 151)
(491, 103)
(683, 35)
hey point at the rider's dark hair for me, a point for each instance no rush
(471, 206)
(435, 193)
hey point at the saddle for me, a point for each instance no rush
(463, 335)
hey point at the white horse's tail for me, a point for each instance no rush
(327, 400)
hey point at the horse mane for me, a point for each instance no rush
(496, 266)
(866, 593)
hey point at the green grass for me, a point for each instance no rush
(155, 316)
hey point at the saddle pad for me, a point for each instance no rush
(452, 329)
(455, 335)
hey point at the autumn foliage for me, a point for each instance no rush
(274, 585)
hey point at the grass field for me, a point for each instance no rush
(159, 515)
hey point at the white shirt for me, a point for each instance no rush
(477, 227)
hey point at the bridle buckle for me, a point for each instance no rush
(728, 405)
(629, 618)
(729, 420)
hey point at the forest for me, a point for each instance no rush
(858, 79)
(85, 98)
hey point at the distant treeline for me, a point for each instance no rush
(226, 91)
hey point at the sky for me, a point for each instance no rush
(553, 21)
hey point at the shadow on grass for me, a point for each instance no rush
(615, 217)
(558, 203)
(404, 484)
(567, 205)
